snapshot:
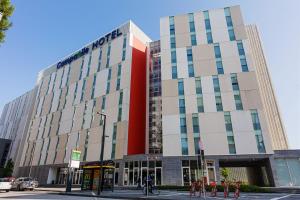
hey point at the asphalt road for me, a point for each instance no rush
(130, 194)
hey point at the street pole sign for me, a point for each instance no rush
(75, 159)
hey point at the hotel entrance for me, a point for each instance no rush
(91, 175)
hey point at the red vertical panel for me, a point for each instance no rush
(137, 107)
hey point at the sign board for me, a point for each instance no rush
(75, 159)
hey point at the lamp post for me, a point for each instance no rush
(100, 183)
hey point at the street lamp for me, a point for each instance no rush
(100, 183)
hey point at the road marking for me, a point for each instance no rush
(281, 197)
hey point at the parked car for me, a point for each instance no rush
(5, 184)
(24, 183)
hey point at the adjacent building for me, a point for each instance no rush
(14, 124)
(204, 85)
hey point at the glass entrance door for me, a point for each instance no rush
(158, 176)
(135, 176)
(186, 175)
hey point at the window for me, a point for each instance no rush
(109, 74)
(219, 102)
(173, 56)
(229, 131)
(119, 69)
(240, 48)
(183, 125)
(238, 102)
(234, 82)
(120, 114)
(191, 70)
(231, 34)
(189, 54)
(217, 51)
(220, 67)
(191, 22)
(172, 26)
(174, 72)
(123, 54)
(173, 42)
(216, 84)
(184, 146)
(181, 106)
(180, 87)
(198, 86)
(206, 14)
(118, 84)
(107, 87)
(124, 41)
(196, 145)
(258, 133)
(103, 102)
(193, 40)
(200, 104)
(209, 38)
(99, 60)
(113, 151)
(229, 21)
(195, 123)
(121, 98)
(207, 24)
(244, 65)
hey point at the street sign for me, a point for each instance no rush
(75, 159)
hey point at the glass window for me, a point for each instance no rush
(229, 21)
(118, 84)
(217, 51)
(121, 98)
(123, 54)
(173, 56)
(184, 146)
(220, 67)
(231, 34)
(244, 65)
(119, 69)
(191, 70)
(189, 54)
(124, 41)
(196, 145)
(240, 48)
(174, 72)
(195, 123)
(216, 84)
(103, 102)
(193, 40)
(219, 103)
(227, 119)
(109, 74)
(238, 102)
(260, 143)
(227, 11)
(192, 27)
(234, 81)
(198, 86)
(200, 104)
(255, 120)
(183, 125)
(120, 114)
(209, 38)
(180, 87)
(181, 106)
(172, 26)
(173, 42)
(206, 14)
(207, 24)
(107, 87)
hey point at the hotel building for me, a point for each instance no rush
(204, 82)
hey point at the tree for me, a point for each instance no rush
(8, 169)
(225, 173)
(6, 10)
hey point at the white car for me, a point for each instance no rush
(5, 184)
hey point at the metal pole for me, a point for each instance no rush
(100, 183)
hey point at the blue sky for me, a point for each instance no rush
(45, 31)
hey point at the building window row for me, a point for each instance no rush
(229, 24)
(258, 132)
(229, 131)
(208, 27)
(236, 92)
